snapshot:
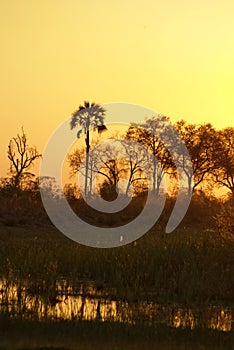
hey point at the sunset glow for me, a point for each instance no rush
(175, 57)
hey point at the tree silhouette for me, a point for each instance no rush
(223, 159)
(136, 160)
(201, 142)
(110, 169)
(147, 134)
(21, 157)
(87, 117)
(76, 164)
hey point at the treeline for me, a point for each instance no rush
(148, 155)
(211, 152)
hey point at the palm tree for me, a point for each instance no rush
(89, 116)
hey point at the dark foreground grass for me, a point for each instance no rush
(186, 266)
(70, 335)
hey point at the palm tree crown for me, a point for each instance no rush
(88, 116)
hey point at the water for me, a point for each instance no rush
(88, 301)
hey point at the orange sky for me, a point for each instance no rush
(173, 56)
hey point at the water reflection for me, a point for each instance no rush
(88, 302)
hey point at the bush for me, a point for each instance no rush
(225, 220)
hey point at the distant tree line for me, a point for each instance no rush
(211, 152)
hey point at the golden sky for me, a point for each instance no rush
(173, 56)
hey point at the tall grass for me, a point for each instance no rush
(186, 266)
(194, 264)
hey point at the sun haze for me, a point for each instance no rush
(175, 57)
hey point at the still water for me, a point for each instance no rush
(87, 302)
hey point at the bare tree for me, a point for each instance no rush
(100, 162)
(75, 159)
(21, 157)
(135, 165)
(110, 168)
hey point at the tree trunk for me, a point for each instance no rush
(154, 175)
(190, 189)
(87, 161)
